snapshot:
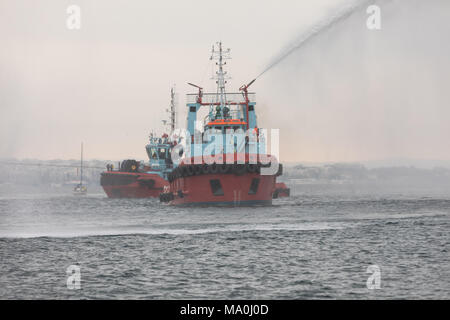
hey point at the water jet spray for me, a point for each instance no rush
(315, 31)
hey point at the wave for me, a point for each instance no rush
(122, 231)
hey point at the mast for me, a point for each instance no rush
(221, 75)
(81, 171)
(172, 111)
(173, 119)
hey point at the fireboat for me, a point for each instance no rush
(226, 163)
(138, 179)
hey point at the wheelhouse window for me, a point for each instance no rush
(153, 154)
(216, 187)
(254, 186)
(162, 153)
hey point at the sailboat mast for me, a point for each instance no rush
(81, 178)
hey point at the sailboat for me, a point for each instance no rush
(79, 188)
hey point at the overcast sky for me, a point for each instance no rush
(351, 94)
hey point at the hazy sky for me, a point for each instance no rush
(351, 94)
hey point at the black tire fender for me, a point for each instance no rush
(224, 168)
(198, 169)
(189, 170)
(280, 170)
(205, 169)
(239, 169)
(214, 168)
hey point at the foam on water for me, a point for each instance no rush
(124, 230)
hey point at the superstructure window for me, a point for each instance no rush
(162, 153)
(254, 186)
(153, 153)
(216, 187)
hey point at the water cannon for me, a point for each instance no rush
(246, 86)
(245, 93)
(200, 91)
(194, 85)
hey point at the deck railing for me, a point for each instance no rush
(233, 98)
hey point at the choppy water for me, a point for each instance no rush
(316, 244)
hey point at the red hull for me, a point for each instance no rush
(118, 184)
(230, 189)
